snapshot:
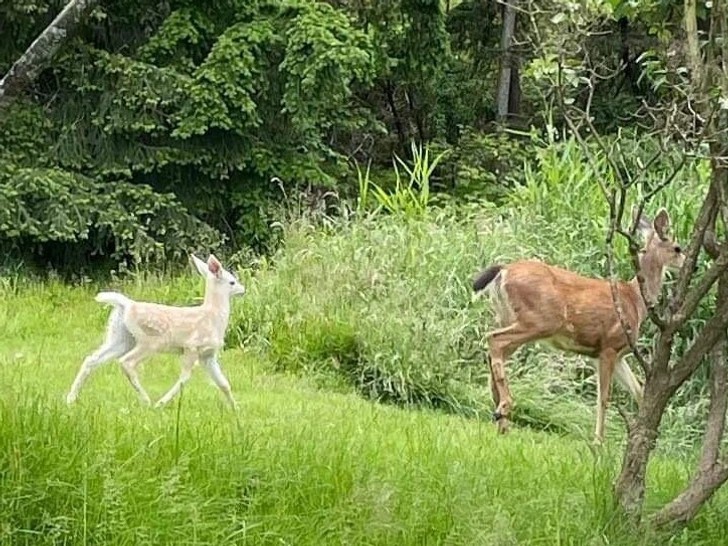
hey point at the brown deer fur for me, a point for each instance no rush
(534, 302)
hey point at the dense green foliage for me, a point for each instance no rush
(209, 102)
(221, 112)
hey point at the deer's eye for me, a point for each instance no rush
(678, 250)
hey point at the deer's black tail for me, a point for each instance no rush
(486, 277)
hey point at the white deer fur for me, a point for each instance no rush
(138, 330)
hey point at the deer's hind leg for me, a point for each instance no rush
(117, 343)
(494, 390)
(129, 363)
(502, 343)
(628, 380)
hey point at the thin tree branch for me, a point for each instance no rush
(693, 298)
(615, 217)
(705, 219)
(715, 428)
(31, 63)
(711, 334)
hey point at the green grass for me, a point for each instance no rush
(296, 465)
(358, 362)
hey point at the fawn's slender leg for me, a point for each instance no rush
(607, 360)
(129, 362)
(91, 362)
(213, 368)
(628, 380)
(502, 344)
(188, 363)
(117, 343)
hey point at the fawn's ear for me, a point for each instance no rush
(200, 266)
(214, 266)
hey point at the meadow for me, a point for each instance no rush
(357, 359)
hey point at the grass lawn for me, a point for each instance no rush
(296, 465)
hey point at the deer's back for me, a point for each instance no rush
(576, 313)
(168, 326)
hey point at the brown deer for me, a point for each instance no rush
(536, 302)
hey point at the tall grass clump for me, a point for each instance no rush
(384, 305)
(386, 308)
(410, 198)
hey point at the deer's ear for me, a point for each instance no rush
(644, 226)
(201, 266)
(214, 265)
(662, 224)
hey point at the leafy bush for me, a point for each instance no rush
(484, 166)
(52, 215)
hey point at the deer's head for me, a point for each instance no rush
(221, 280)
(659, 244)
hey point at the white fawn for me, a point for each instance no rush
(534, 302)
(137, 330)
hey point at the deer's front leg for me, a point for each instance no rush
(188, 363)
(212, 365)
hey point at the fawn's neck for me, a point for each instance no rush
(653, 273)
(217, 304)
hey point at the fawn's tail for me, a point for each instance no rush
(114, 298)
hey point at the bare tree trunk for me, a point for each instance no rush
(26, 69)
(395, 115)
(662, 381)
(712, 473)
(514, 98)
(691, 35)
(504, 82)
(630, 487)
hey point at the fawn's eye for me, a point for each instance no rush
(678, 250)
